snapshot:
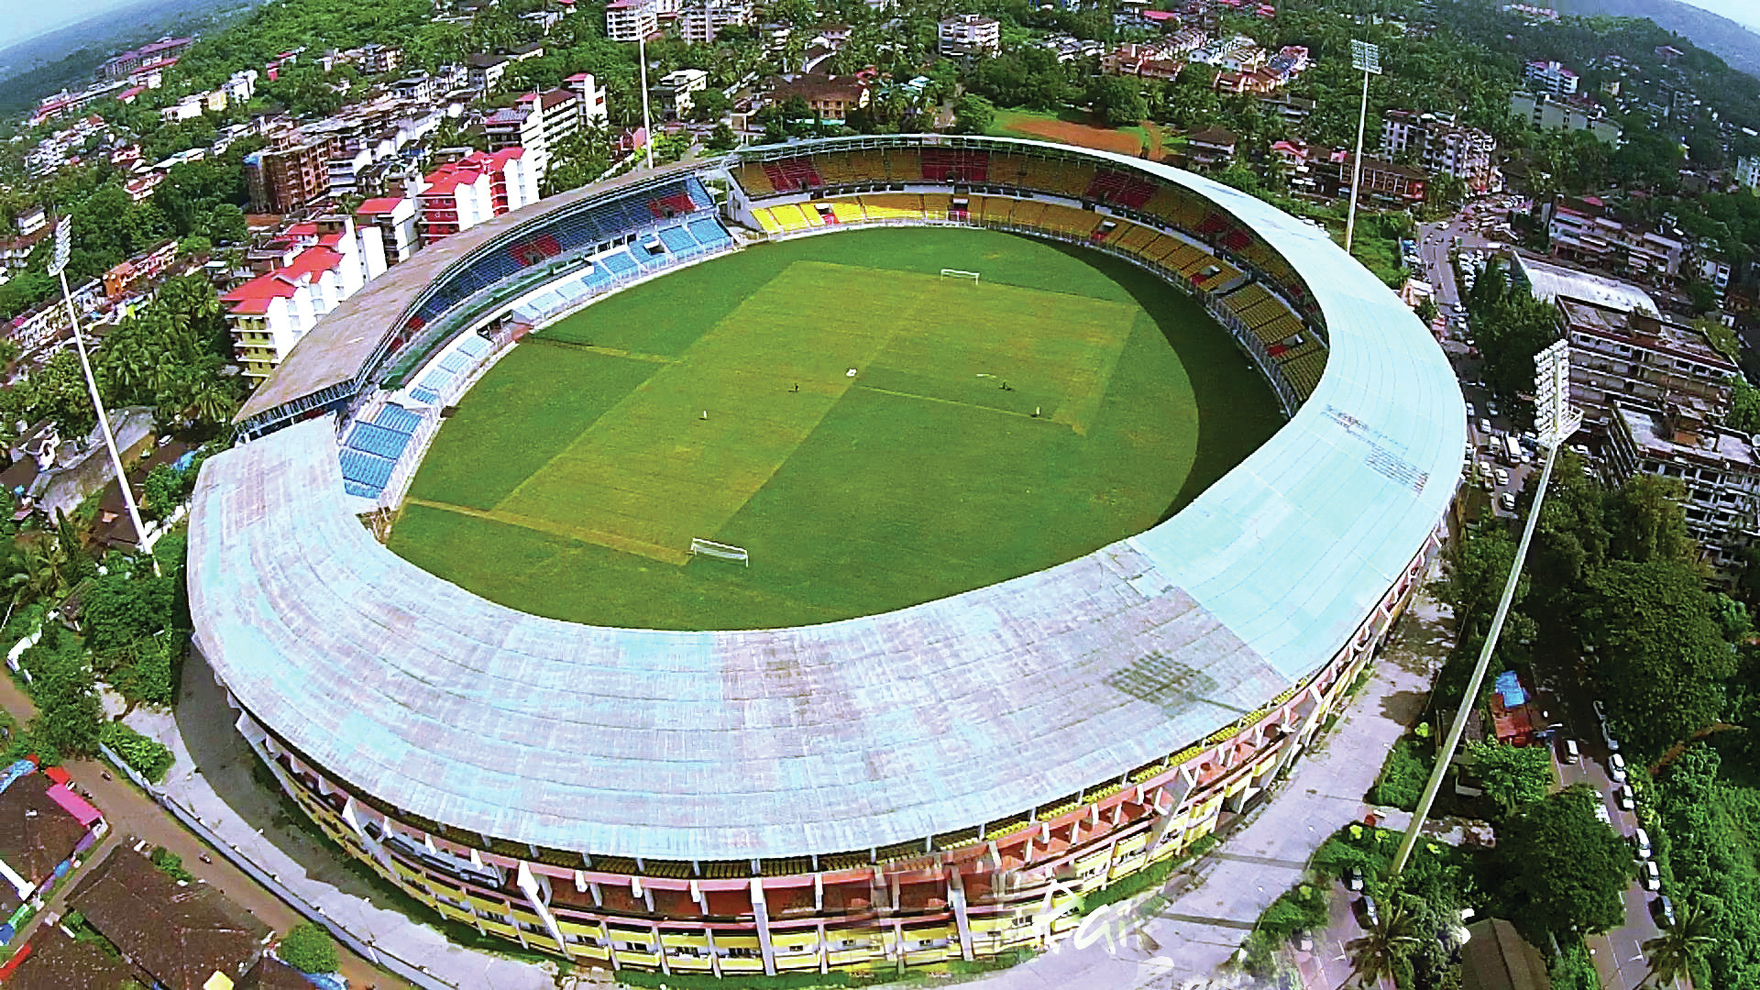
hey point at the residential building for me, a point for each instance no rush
(142, 267)
(239, 87)
(1717, 468)
(43, 825)
(485, 72)
(420, 87)
(699, 23)
(631, 20)
(324, 263)
(1381, 181)
(592, 96)
(1586, 232)
(1748, 172)
(180, 936)
(535, 122)
(31, 220)
(671, 96)
(282, 180)
(1495, 956)
(1148, 61)
(159, 51)
(1639, 357)
(56, 961)
(459, 195)
(969, 34)
(395, 216)
(829, 98)
(377, 60)
(1550, 113)
(1211, 146)
(1441, 146)
(1551, 77)
(1295, 110)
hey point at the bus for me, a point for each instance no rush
(1511, 449)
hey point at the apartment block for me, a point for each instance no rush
(1549, 113)
(282, 180)
(459, 195)
(325, 262)
(1638, 357)
(631, 20)
(1717, 468)
(969, 34)
(1441, 146)
(1584, 231)
(699, 23)
(395, 218)
(1551, 77)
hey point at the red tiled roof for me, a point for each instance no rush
(384, 205)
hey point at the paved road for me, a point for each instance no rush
(131, 813)
(1197, 931)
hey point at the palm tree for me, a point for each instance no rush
(1386, 940)
(1671, 951)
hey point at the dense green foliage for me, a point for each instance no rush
(1511, 776)
(170, 864)
(1561, 867)
(61, 683)
(1711, 826)
(1403, 776)
(309, 949)
(1510, 326)
(149, 757)
(924, 423)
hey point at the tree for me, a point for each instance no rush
(1512, 776)
(1744, 406)
(69, 713)
(972, 114)
(309, 949)
(1561, 866)
(1671, 951)
(1386, 942)
(120, 608)
(1118, 100)
(722, 137)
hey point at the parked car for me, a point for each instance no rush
(1508, 501)
(1641, 842)
(1602, 813)
(1570, 752)
(1607, 737)
(1600, 711)
(1650, 875)
(1502, 477)
(1616, 768)
(1485, 426)
(1662, 909)
(1622, 796)
(1353, 878)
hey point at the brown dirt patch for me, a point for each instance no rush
(1084, 135)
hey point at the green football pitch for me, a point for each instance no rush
(873, 434)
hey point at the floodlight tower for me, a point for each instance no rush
(1366, 58)
(647, 121)
(1554, 421)
(58, 268)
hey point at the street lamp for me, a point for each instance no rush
(58, 268)
(1554, 421)
(1365, 58)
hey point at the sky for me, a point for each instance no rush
(21, 20)
(1746, 12)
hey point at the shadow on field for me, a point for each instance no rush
(1232, 398)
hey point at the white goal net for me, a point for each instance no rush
(957, 273)
(709, 548)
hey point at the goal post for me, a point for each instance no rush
(958, 273)
(709, 548)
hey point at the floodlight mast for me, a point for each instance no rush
(1366, 58)
(58, 268)
(647, 121)
(1554, 422)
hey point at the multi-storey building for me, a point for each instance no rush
(631, 20)
(142, 267)
(282, 180)
(1717, 467)
(534, 122)
(1551, 77)
(1148, 61)
(485, 72)
(1441, 146)
(1748, 171)
(1584, 231)
(328, 260)
(158, 51)
(673, 94)
(594, 112)
(1381, 181)
(459, 195)
(699, 23)
(829, 98)
(395, 216)
(1550, 113)
(378, 59)
(969, 34)
(1638, 357)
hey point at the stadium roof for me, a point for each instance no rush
(852, 734)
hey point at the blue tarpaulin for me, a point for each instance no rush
(1509, 687)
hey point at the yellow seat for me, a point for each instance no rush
(767, 221)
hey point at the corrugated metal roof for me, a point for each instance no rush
(866, 732)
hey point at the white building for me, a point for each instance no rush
(631, 20)
(459, 195)
(1548, 113)
(395, 218)
(699, 23)
(969, 34)
(1441, 146)
(1716, 467)
(1748, 171)
(672, 95)
(592, 96)
(270, 313)
(1551, 77)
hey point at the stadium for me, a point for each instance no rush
(931, 784)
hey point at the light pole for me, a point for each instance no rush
(647, 122)
(1554, 421)
(1366, 58)
(58, 268)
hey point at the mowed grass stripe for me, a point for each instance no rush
(680, 455)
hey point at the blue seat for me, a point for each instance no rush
(366, 469)
(378, 440)
(473, 346)
(678, 239)
(427, 395)
(454, 362)
(364, 491)
(620, 263)
(395, 417)
(437, 380)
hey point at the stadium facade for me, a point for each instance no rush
(939, 783)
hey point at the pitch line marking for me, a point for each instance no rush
(953, 402)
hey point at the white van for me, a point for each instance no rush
(1641, 841)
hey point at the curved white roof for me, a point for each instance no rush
(852, 734)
